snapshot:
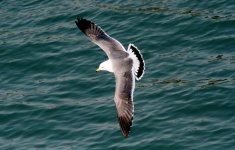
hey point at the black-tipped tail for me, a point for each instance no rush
(138, 64)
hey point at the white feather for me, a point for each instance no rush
(136, 61)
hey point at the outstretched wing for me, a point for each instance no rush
(125, 84)
(98, 36)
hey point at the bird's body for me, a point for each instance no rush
(127, 65)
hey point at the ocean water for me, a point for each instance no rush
(51, 97)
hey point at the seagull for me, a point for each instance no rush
(126, 65)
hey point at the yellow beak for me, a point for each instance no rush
(97, 70)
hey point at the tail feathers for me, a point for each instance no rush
(138, 61)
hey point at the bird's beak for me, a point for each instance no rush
(97, 70)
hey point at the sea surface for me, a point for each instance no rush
(51, 98)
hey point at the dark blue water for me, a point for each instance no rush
(52, 98)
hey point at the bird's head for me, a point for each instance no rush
(106, 65)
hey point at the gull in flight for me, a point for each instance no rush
(126, 65)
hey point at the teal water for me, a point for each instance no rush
(52, 98)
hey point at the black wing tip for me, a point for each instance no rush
(125, 125)
(83, 24)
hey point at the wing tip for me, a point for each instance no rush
(125, 125)
(89, 28)
(83, 24)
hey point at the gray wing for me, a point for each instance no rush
(125, 84)
(99, 37)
